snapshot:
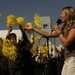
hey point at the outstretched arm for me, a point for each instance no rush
(41, 32)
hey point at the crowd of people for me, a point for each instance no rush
(24, 64)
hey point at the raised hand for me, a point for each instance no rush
(10, 28)
(21, 28)
(56, 28)
(28, 27)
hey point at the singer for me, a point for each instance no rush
(67, 36)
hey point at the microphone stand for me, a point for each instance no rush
(47, 39)
(45, 68)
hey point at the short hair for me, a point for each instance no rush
(1, 38)
(11, 35)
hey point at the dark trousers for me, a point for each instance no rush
(4, 70)
(59, 65)
(16, 71)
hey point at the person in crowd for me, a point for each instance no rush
(67, 36)
(3, 61)
(59, 58)
(20, 66)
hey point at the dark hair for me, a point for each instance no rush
(1, 38)
(11, 35)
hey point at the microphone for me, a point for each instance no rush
(59, 21)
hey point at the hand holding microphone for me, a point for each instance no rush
(59, 21)
(56, 28)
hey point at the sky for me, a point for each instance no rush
(28, 8)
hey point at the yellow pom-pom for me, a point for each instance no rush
(29, 31)
(33, 49)
(43, 50)
(37, 21)
(11, 20)
(37, 38)
(9, 50)
(20, 21)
